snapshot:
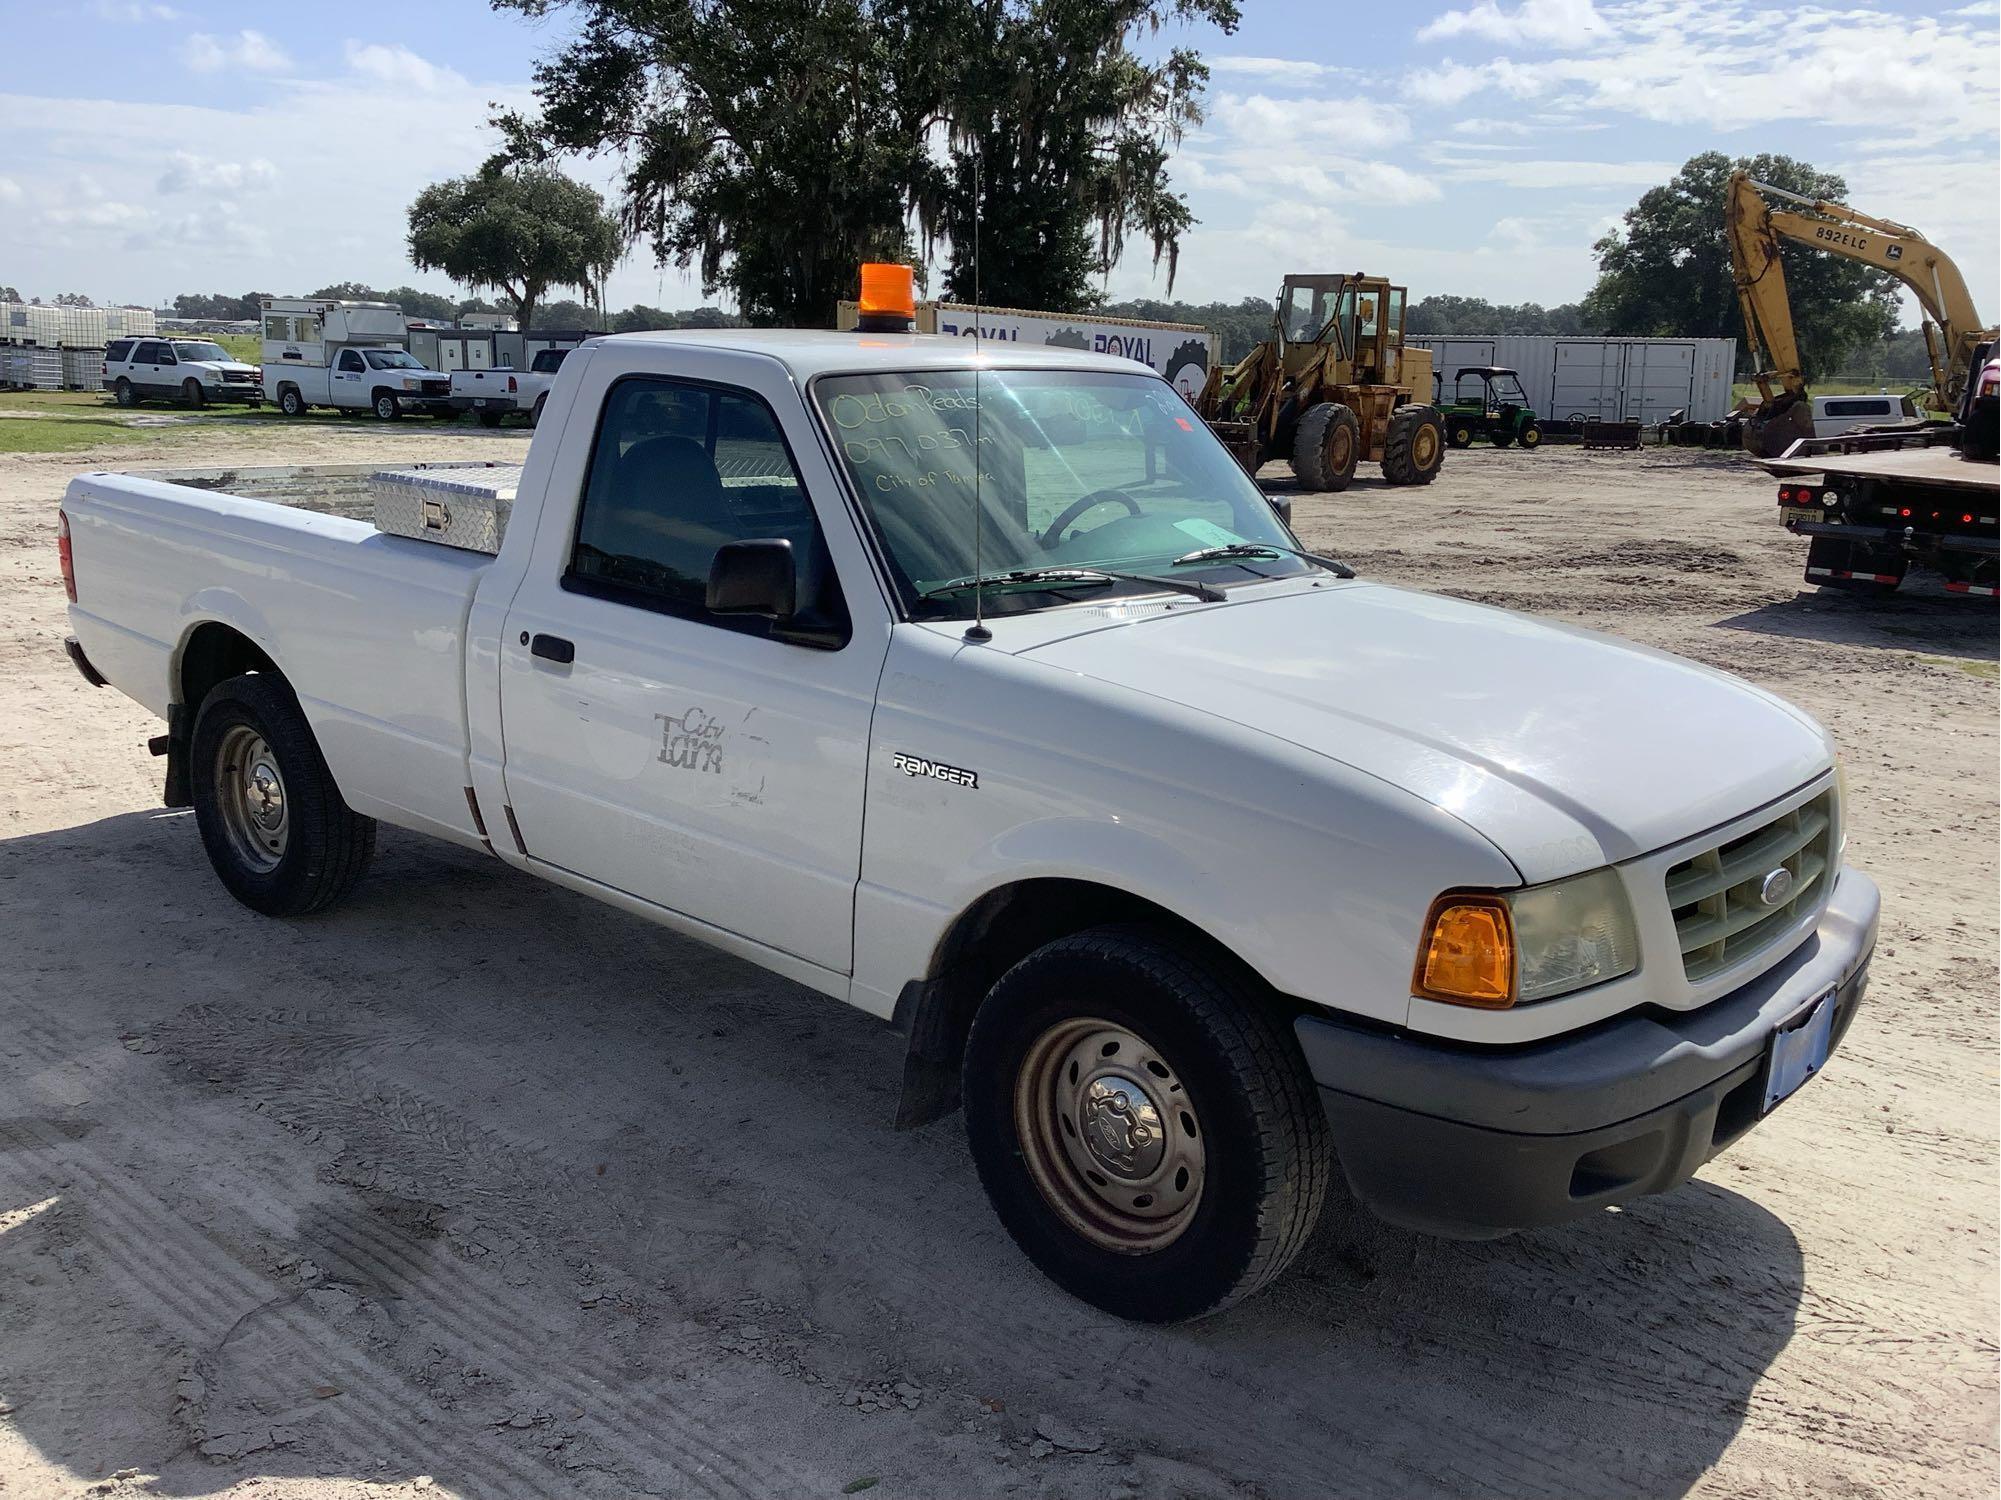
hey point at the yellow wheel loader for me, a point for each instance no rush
(1332, 386)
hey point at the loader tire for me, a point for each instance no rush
(1414, 450)
(280, 836)
(1325, 446)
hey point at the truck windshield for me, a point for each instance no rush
(1077, 469)
(391, 359)
(195, 351)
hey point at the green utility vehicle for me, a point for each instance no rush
(1488, 402)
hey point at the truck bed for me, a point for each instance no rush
(1934, 465)
(325, 489)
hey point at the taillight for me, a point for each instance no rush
(511, 386)
(64, 557)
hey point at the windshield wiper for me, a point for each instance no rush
(1262, 549)
(1059, 578)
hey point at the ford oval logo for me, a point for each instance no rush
(1777, 887)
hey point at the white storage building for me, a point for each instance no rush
(1568, 379)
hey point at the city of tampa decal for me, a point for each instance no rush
(917, 765)
(691, 741)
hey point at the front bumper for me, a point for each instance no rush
(1473, 1142)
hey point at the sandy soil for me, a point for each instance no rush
(477, 1187)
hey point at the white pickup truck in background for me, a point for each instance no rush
(1191, 864)
(494, 393)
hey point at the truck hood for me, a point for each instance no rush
(1566, 748)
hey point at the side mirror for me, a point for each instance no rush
(756, 577)
(1282, 507)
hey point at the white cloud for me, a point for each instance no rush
(1277, 68)
(1549, 22)
(1280, 125)
(247, 49)
(192, 173)
(1566, 174)
(400, 66)
(10, 191)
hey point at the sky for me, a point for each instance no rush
(1477, 149)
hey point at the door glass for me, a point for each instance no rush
(1395, 324)
(1303, 314)
(679, 470)
(349, 360)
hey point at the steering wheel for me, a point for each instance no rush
(1083, 503)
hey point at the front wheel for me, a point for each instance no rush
(535, 416)
(1500, 437)
(191, 392)
(280, 837)
(1325, 446)
(387, 407)
(1144, 1128)
(1530, 436)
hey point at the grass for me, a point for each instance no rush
(65, 421)
(247, 347)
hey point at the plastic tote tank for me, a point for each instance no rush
(1604, 379)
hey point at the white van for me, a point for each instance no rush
(1834, 415)
(319, 351)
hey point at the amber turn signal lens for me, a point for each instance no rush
(1467, 956)
(888, 290)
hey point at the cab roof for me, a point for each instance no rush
(808, 352)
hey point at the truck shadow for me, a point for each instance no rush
(1920, 616)
(478, 1180)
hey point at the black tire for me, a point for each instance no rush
(191, 393)
(489, 418)
(535, 412)
(1414, 449)
(291, 402)
(1500, 437)
(1530, 437)
(1266, 1156)
(1326, 444)
(326, 845)
(123, 393)
(1459, 433)
(387, 408)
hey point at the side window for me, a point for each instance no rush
(349, 360)
(118, 351)
(147, 354)
(678, 470)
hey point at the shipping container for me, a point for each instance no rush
(1599, 379)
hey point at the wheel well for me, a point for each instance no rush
(984, 942)
(213, 653)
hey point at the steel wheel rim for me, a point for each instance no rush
(250, 790)
(1341, 448)
(1110, 1135)
(1425, 448)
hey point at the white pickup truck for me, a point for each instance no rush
(493, 393)
(1191, 864)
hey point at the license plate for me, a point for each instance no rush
(478, 401)
(1799, 1048)
(1804, 513)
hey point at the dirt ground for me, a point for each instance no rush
(476, 1187)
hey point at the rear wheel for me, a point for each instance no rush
(387, 407)
(1145, 1129)
(1415, 446)
(1325, 446)
(274, 825)
(1459, 433)
(535, 415)
(291, 403)
(124, 394)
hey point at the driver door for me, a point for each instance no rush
(350, 379)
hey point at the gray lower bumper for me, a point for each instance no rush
(1475, 1142)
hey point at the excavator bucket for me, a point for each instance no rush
(1769, 436)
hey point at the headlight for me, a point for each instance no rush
(412, 385)
(1498, 949)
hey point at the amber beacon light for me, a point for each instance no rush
(888, 300)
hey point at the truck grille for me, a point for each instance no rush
(1721, 914)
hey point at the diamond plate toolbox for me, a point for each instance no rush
(461, 505)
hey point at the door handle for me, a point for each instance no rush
(553, 648)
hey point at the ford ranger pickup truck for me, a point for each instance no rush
(982, 690)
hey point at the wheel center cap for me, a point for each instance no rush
(1121, 1128)
(268, 797)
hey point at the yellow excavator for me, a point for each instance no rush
(1952, 327)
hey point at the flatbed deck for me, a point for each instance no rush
(1937, 464)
